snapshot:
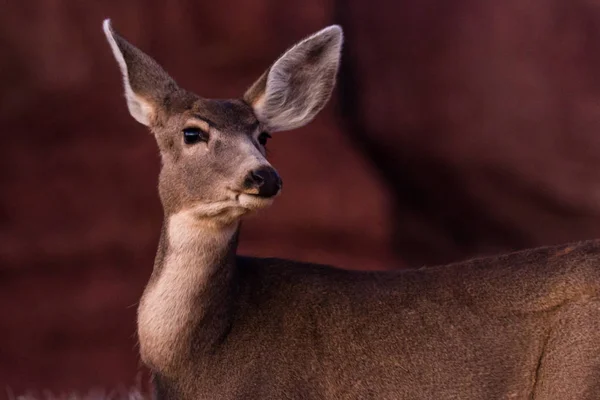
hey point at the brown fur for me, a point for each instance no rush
(213, 325)
(518, 326)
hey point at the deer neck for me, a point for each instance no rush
(189, 292)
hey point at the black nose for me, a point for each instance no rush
(265, 181)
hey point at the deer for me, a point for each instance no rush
(212, 324)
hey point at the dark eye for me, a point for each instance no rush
(194, 135)
(263, 138)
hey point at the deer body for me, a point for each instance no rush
(214, 325)
(520, 326)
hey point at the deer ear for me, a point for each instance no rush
(146, 84)
(299, 84)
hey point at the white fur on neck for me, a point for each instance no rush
(193, 251)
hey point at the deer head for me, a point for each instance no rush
(213, 151)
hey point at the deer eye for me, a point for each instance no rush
(263, 138)
(194, 135)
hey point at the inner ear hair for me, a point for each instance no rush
(299, 84)
(146, 84)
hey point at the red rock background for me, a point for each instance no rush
(483, 119)
(459, 128)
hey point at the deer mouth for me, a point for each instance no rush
(253, 201)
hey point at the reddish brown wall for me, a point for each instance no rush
(465, 127)
(483, 118)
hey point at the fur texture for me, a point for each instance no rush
(196, 252)
(518, 326)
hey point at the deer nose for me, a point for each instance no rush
(263, 182)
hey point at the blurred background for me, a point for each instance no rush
(458, 129)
